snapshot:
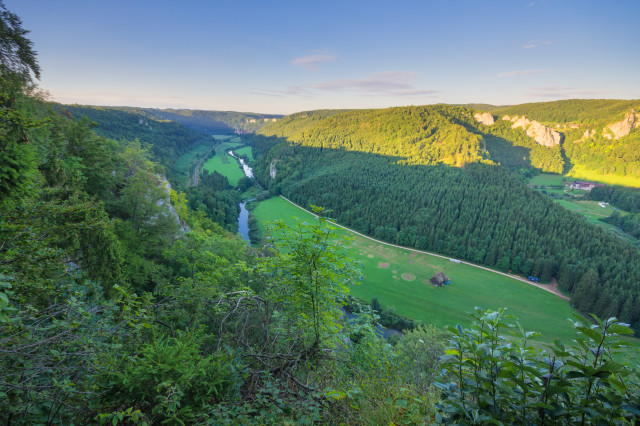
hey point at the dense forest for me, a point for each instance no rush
(167, 139)
(122, 304)
(480, 212)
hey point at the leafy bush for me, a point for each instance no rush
(492, 378)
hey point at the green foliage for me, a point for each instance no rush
(168, 139)
(16, 50)
(420, 135)
(494, 379)
(169, 379)
(310, 278)
(51, 357)
(627, 199)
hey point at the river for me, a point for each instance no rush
(243, 217)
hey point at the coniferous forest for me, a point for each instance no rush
(127, 298)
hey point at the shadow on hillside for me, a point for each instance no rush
(504, 152)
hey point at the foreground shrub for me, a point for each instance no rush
(493, 379)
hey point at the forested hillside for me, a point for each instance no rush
(481, 213)
(167, 139)
(436, 134)
(214, 122)
(580, 111)
(119, 304)
(585, 124)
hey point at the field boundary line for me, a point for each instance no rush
(515, 277)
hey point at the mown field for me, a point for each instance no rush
(224, 163)
(399, 277)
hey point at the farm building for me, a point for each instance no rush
(439, 279)
(587, 186)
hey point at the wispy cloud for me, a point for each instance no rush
(299, 91)
(390, 83)
(531, 4)
(562, 92)
(535, 43)
(519, 72)
(312, 62)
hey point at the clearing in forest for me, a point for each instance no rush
(538, 310)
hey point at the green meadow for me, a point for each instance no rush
(184, 165)
(547, 179)
(224, 164)
(246, 151)
(400, 277)
(579, 172)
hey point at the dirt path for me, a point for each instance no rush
(553, 288)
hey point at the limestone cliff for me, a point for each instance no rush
(484, 118)
(623, 127)
(542, 134)
(169, 209)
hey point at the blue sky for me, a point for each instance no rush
(286, 56)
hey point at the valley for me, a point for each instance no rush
(279, 213)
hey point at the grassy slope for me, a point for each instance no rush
(225, 164)
(537, 309)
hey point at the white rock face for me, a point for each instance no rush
(484, 118)
(540, 133)
(170, 210)
(623, 127)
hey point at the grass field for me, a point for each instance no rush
(581, 172)
(399, 277)
(246, 151)
(547, 179)
(225, 164)
(587, 208)
(184, 164)
(593, 212)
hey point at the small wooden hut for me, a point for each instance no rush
(439, 279)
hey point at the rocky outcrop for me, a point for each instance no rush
(272, 169)
(589, 133)
(169, 209)
(540, 133)
(484, 118)
(623, 127)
